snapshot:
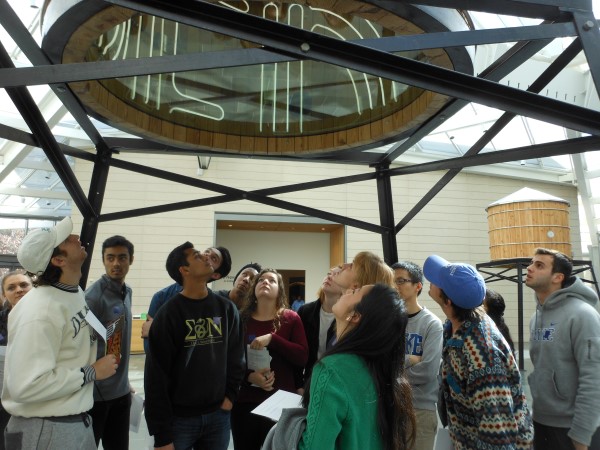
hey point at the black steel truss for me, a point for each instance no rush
(284, 43)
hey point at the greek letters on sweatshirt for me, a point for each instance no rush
(196, 359)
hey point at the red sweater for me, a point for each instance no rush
(288, 350)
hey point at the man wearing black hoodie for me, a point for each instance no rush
(196, 360)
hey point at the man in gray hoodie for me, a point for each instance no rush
(423, 352)
(565, 352)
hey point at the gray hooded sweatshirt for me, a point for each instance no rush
(565, 352)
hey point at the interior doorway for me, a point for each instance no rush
(301, 248)
(295, 282)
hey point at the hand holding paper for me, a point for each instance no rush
(261, 341)
(263, 378)
(259, 361)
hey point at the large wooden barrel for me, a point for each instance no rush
(525, 220)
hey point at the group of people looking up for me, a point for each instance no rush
(374, 366)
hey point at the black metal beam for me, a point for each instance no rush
(386, 214)
(16, 135)
(542, 150)
(548, 75)
(543, 9)
(98, 70)
(34, 119)
(587, 28)
(89, 229)
(13, 25)
(25, 138)
(505, 64)
(351, 156)
(231, 194)
(342, 53)
(568, 147)
(289, 40)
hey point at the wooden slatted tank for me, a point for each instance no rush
(525, 220)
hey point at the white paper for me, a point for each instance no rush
(258, 359)
(272, 407)
(135, 414)
(93, 321)
(442, 440)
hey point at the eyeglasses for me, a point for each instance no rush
(401, 281)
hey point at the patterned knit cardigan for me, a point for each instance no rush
(481, 386)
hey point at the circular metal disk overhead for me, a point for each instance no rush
(302, 106)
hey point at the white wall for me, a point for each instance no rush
(278, 250)
(453, 225)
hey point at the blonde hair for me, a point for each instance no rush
(372, 269)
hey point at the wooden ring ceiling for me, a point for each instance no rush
(285, 108)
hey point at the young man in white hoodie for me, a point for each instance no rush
(51, 354)
(565, 352)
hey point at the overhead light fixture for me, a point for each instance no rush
(34, 4)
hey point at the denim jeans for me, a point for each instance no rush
(206, 432)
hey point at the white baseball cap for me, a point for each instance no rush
(37, 247)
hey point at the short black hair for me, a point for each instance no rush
(118, 241)
(176, 259)
(414, 271)
(225, 266)
(561, 263)
(251, 265)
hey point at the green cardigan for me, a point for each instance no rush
(342, 413)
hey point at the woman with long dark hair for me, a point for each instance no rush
(358, 396)
(268, 324)
(494, 306)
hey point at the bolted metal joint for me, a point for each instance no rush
(588, 25)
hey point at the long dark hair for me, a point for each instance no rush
(379, 339)
(250, 302)
(495, 306)
(474, 315)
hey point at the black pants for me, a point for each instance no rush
(111, 422)
(553, 438)
(248, 430)
(4, 418)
